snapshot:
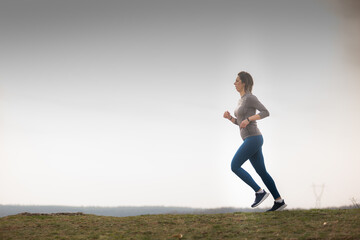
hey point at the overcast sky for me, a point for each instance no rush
(113, 103)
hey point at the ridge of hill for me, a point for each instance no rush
(289, 224)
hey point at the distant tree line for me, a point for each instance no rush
(123, 211)
(6, 210)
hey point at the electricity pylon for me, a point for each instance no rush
(318, 195)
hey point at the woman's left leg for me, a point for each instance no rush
(257, 160)
(245, 151)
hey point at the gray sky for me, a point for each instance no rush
(114, 103)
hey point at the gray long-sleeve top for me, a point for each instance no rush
(246, 108)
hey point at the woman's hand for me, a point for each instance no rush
(227, 115)
(244, 123)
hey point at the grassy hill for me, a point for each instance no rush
(294, 224)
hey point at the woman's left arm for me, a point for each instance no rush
(255, 103)
(254, 117)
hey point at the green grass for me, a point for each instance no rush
(294, 224)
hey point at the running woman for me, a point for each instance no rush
(250, 149)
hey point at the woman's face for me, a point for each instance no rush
(239, 85)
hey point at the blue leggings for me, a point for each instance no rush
(251, 149)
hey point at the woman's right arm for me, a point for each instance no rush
(228, 116)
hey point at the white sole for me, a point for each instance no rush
(281, 208)
(266, 195)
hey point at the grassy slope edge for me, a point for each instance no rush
(294, 224)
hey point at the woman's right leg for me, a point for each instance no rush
(249, 147)
(257, 160)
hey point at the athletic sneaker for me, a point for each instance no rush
(277, 206)
(259, 198)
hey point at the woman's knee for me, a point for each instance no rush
(235, 165)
